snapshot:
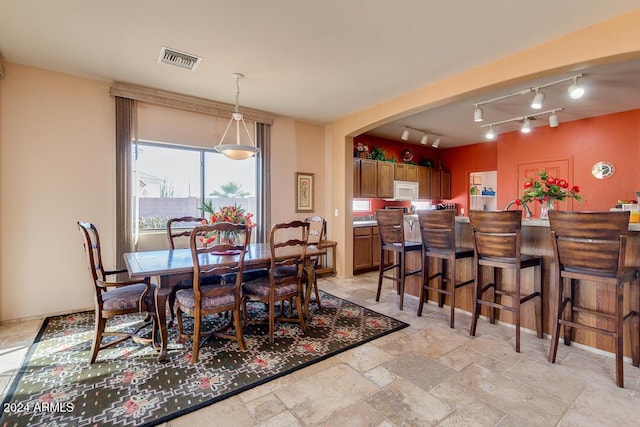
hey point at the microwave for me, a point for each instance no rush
(405, 190)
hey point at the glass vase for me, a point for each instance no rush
(545, 207)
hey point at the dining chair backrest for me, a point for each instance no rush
(93, 252)
(231, 252)
(438, 230)
(496, 234)
(181, 227)
(594, 241)
(390, 226)
(317, 229)
(288, 253)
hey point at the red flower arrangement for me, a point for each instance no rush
(547, 189)
(234, 214)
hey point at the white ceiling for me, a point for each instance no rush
(316, 61)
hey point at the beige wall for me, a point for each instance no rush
(57, 166)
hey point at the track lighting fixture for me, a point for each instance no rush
(425, 135)
(477, 114)
(575, 90)
(436, 143)
(526, 122)
(491, 134)
(537, 100)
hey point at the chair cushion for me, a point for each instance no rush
(125, 298)
(247, 275)
(186, 298)
(262, 286)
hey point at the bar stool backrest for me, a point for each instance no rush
(594, 241)
(496, 233)
(438, 230)
(390, 226)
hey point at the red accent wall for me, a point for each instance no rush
(394, 149)
(614, 138)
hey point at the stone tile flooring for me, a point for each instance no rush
(427, 374)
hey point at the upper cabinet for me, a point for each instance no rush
(386, 173)
(374, 179)
(406, 172)
(368, 178)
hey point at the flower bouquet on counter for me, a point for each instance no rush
(546, 189)
(234, 214)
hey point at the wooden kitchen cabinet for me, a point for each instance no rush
(386, 172)
(369, 178)
(424, 182)
(356, 177)
(436, 181)
(362, 248)
(406, 172)
(445, 184)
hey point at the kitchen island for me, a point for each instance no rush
(536, 240)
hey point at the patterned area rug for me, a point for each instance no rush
(128, 387)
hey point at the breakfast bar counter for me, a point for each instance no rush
(536, 240)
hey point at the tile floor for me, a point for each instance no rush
(427, 374)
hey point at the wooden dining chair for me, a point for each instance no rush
(497, 240)
(438, 231)
(288, 245)
(206, 299)
(392, 241)
(317, 227)
(589, 250)
(178, 235)
(179, 229)
(114, 297)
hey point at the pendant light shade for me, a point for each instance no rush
(405, 134)
(237, 151)
(553, 120)
(526, 126)
(425, 139)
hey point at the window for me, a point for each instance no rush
(172, 181)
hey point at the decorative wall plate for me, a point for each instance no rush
(407, 154)
(602, 170)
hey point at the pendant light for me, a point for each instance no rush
(237, 151)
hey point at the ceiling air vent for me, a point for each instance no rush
(178, 59)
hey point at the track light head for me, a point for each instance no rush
(536, 104)
(526, 126)
(436, 143)
(405, 134)
(477, 114)
(553, 120)
(425, 139)
(575, 90)
(491, 134)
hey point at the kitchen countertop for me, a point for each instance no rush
(531, 222)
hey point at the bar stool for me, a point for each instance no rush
(438, 232)
(496, 239)
(391, 229)
(590, 247)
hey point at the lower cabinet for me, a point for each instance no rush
(366, 249)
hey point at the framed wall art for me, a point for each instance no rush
(304, 192)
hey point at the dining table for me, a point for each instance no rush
(172, 266)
